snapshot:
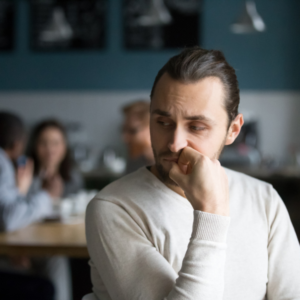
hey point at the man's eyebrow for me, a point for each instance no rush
(189, 118)
(198, 118)
(161, 113)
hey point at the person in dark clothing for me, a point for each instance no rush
(24, 287)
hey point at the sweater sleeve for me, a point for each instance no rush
(284, 253)
(125, 265)
(19, 211)
(16, 210)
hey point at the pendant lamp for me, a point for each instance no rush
(249, 21)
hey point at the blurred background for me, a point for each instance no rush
(89, 83)
(82, 61)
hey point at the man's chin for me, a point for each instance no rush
(164, 175)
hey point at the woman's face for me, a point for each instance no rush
(51, 147)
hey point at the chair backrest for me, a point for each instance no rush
(89, 297)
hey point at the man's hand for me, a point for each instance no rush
(24, 177)
(203, 181)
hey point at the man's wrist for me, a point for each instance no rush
(211, 206)
(210, 227)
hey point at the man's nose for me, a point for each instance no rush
(178, 140)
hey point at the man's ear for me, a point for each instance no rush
(234, 129)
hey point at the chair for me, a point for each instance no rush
(89, 297)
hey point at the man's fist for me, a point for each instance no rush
(203, 181)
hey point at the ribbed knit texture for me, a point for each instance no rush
(210, 227)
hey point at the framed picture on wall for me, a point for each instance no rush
(7, 24)
(161, 24)
(68, 24)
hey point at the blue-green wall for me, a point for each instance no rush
(269, 60)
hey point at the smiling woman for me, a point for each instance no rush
(53, 164)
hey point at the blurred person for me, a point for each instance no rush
(18, 209)
(53, 165)
(54, 168)
(136, 135)
(21, 206)
(187, 228)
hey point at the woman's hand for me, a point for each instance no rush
(24, 177)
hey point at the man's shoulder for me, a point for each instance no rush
(127, 186)
(236, 176)
(248, 186)
(124, 194)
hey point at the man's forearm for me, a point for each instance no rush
(202, 273)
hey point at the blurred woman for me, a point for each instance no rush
(54, 169)
(53, 165)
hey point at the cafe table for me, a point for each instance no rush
(46, 239)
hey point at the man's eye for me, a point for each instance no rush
(164, 123)
(197, 128)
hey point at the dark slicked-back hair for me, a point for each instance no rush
(12, 130)
(194, 64)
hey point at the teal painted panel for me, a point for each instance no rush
(263, 61)
(266, 60)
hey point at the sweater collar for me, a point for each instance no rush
(158, 184)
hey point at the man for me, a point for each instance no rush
(136, 135)
(19, 208)
(186, 228)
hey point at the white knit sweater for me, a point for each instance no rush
(146, 242)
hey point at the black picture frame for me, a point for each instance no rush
(161, 24)
(7, 25)
(67, 25)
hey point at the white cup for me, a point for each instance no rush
(66, 208)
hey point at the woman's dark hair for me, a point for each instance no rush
(194, 64)
(12, 130)
(67, 163)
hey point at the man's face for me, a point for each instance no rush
(136, 135)
(184, 115)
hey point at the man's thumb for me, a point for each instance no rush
(177, 175)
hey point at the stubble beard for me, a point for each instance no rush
(164, 174)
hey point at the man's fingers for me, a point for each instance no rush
(189, 157)
(177, 175)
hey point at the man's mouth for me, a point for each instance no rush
(171, 159)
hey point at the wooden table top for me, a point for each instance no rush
(43, 239)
